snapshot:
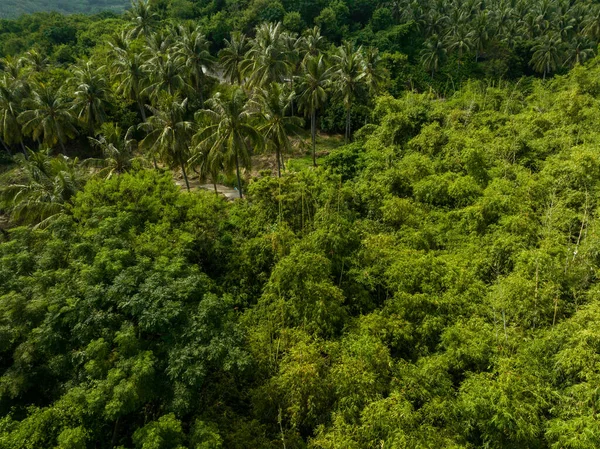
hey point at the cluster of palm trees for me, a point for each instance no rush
(196, 110)
(558, 33)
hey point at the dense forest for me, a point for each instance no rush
(16, 8)
(427, 280)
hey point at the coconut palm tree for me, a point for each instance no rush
(41, 188)
(12, 68)
(129, 70)
(193, 49)
(579, 49)
(232, 56)
(117, 150)
(169, 134)
(312, 43)
(47, 116)
(591, 23)
(460, 42)
(230, 131)
(313, 85)
(267, 62)
(120, 43)
(433, 54)
(143, 18)
(271, 105)
(547, 54)
(11, 99)
(374, 75)
(161, 44)
(166, 75)
(481, 33)
(349, 77)
(91, 96)
(206, 161)
(35, 61)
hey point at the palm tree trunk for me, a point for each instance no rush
(313, 131)
(237, 169)
(277, 154)
(199, 90)
(292, 89)
(347, 126)
(142, 111)
(62, 145)
(5, 147)
(215, 186)
(187, 182)
(113, 441)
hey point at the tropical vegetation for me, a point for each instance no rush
(430, 282)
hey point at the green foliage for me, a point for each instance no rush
(434, 283)
(14, 8)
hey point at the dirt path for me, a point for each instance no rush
(228, 192)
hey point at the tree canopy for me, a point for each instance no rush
(430, 282)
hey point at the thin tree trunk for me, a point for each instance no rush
(23, 149)
(154, 162)
(313, 130)
(113, 441)
(142, 111)
(6, 147)
(62, 145)
(292, 100)
(237, 169)
(187, 183)
(277, 153)
(215, 186)
(199, 89)
(347, 126)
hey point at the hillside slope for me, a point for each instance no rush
(15, 8)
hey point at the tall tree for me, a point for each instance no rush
(169, 134)
(374, 75)
(313, 85)
(91, 96)
(129, 70)
(547, 54)
(11, 99)
(143, 18)
(47, 116)
(312, 43)
(206, 161)
(272, 105)
(117, 150)
(230, 134)
(193, 49)
(167, 74)
(35, 61)
(433, 54)
(42, 187)
(460, 42)
(267, 60)
(349, 77)
(232, 56)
